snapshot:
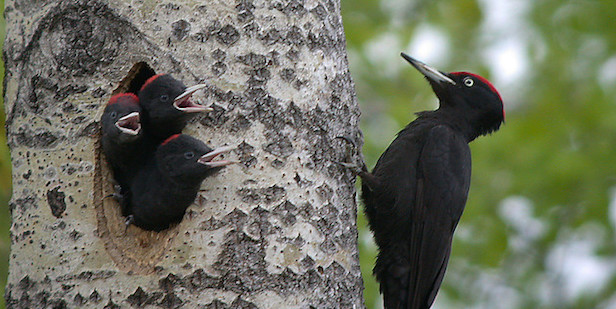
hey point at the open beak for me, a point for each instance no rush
(430, 73)
(207, 158)
(129, 124)
(185, 104)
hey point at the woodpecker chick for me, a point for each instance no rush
(417, 191)
(167, 106)
(170, 180)
(121, 137)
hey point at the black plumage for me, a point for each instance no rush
(416, 193)
(170, 180)
(121, 140)
(167, 106)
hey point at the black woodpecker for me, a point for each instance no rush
(167, 106)
(170, 180)
(417, 191)
(121, 140)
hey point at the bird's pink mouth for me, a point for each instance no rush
(207, 158)
(129, 124)
(184, 103)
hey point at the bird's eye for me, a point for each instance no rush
(469, 82)
(164, 98)
(113, 115)
(189, 155)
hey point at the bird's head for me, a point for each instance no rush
(164, 97)
(121, 120)
(187, 159)
(466, 96)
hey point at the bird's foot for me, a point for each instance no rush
(355, 168)
(122, 197)
(130, 220)
(348, 139)
(116, 196)
(117, 193)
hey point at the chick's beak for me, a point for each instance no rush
(207, 158)
(184, 103)
(129, 124)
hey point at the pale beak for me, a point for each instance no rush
(129, 124)
(207, 158)
(429, 72)
(183, 102)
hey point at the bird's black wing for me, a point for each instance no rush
(392, 180)
(443, 179)
(413, 200)
(389, 199)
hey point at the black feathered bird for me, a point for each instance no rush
(168, 183)
(167, 106)
(121, 140)
(416, 193)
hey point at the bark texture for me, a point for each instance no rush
(276, 231)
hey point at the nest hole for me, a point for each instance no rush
(136, 77)
(132, 249)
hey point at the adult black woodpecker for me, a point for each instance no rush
(170, 180)
(417, 191)
(121, 139)
(167, 106)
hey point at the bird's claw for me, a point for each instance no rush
(130, 220)
(116, 196)
(356, 169)
(348, 139)
(117, 193)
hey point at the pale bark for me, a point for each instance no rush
(276, 231)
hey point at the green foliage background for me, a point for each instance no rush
(555, 153)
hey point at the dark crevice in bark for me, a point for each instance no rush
(136, 77)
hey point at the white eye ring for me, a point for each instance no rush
(469, 82)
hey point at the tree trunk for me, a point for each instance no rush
(276, 231)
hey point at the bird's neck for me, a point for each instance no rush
(452, 119)
(179, 178)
